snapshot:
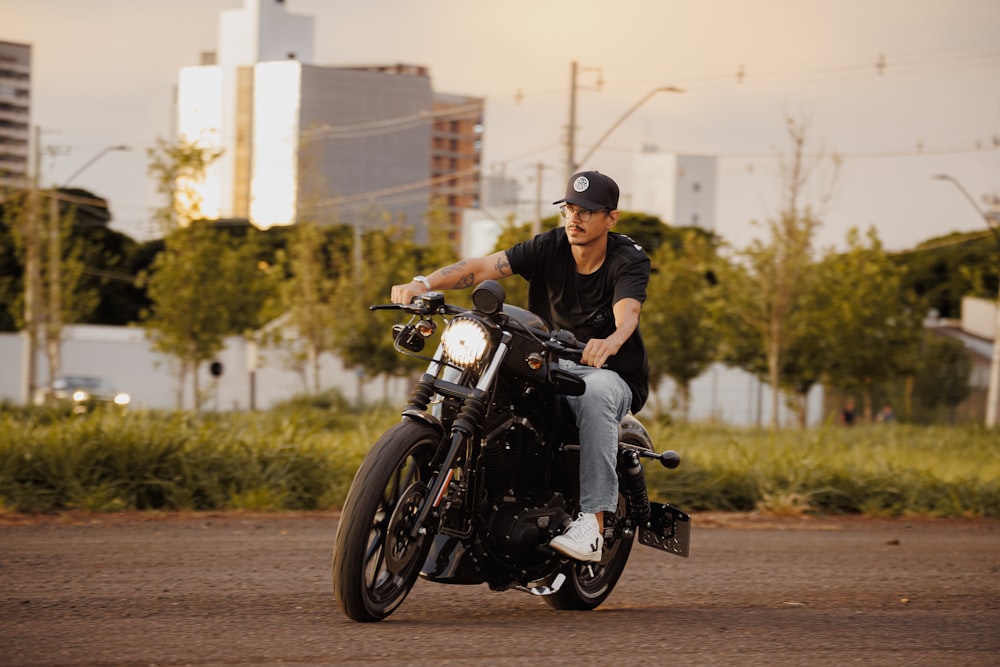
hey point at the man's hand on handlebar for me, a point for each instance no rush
(404, 294)
(598, 351)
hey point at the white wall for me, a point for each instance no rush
(732, 396)
(123, 356)
(979, 317)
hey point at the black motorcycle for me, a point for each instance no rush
(482, 470)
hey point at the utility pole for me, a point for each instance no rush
(571, 126)
(536, 224)
(574, 71)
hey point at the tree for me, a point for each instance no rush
(179, 170)
(942, 376)
(308, 293)
(12, 214)
(871, 324)
(362, 338)
(206, 284)
(766, 280)
(943, 270)
(69, 298)
(647, 230)
(202, 288)
(679, 318)
(802, 364)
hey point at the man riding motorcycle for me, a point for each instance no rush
(584, 278)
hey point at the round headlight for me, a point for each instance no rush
(80, 395)
(465, 342)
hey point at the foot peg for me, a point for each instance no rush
(542, 589)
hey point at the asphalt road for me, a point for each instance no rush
(255, 590)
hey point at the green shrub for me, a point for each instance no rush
(303, 456)
(877, 469)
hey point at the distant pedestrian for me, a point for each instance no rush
(885, 415)
(847, 413)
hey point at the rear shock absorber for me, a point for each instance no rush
(635, 487)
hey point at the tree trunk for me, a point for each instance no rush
(773, 372)
(802, 408)
(53, 320)
(181, 381)
(197, 387)
(314, 366)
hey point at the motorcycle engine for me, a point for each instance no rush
(521, 526)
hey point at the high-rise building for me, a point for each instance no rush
(455, 155)
(362, 145)
(15, 114)
(679, 189)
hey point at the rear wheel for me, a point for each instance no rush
(587, 585)
(375, 562)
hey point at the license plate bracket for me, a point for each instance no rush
(669, 530)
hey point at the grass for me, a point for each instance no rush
(879, 470)
(303, 455)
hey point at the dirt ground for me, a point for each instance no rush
(237, 589)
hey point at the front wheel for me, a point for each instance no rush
(375, 562)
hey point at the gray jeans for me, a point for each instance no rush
(598, 412)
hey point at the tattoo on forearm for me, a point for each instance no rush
(502, 265)
(464, 279)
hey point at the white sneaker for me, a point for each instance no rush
(582, 540)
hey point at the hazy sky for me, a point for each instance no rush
(900, 89)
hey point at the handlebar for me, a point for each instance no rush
(429, 303)
(564, 344)
(561, 342)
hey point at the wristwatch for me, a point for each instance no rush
(423, 281)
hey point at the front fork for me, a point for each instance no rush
(465, 427)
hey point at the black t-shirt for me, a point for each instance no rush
(583, 304)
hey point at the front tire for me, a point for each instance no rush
(375, 563)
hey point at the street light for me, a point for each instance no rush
(92, 160)
(993, 394)
(597, 144)
(53, 316)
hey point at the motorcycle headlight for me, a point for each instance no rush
(465, 342)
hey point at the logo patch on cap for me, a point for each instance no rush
(581, 184)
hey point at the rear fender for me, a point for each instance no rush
(632, 431)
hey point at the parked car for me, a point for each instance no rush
(83, 391)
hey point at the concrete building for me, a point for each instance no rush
(679, 189)
(15, 115)
(365, 145)
(457, 146)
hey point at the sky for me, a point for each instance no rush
(894, 91)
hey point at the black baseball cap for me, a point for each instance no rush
(592, 190)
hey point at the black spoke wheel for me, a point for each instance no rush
(587, 585)
(375, 561)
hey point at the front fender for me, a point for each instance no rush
(426, 418)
